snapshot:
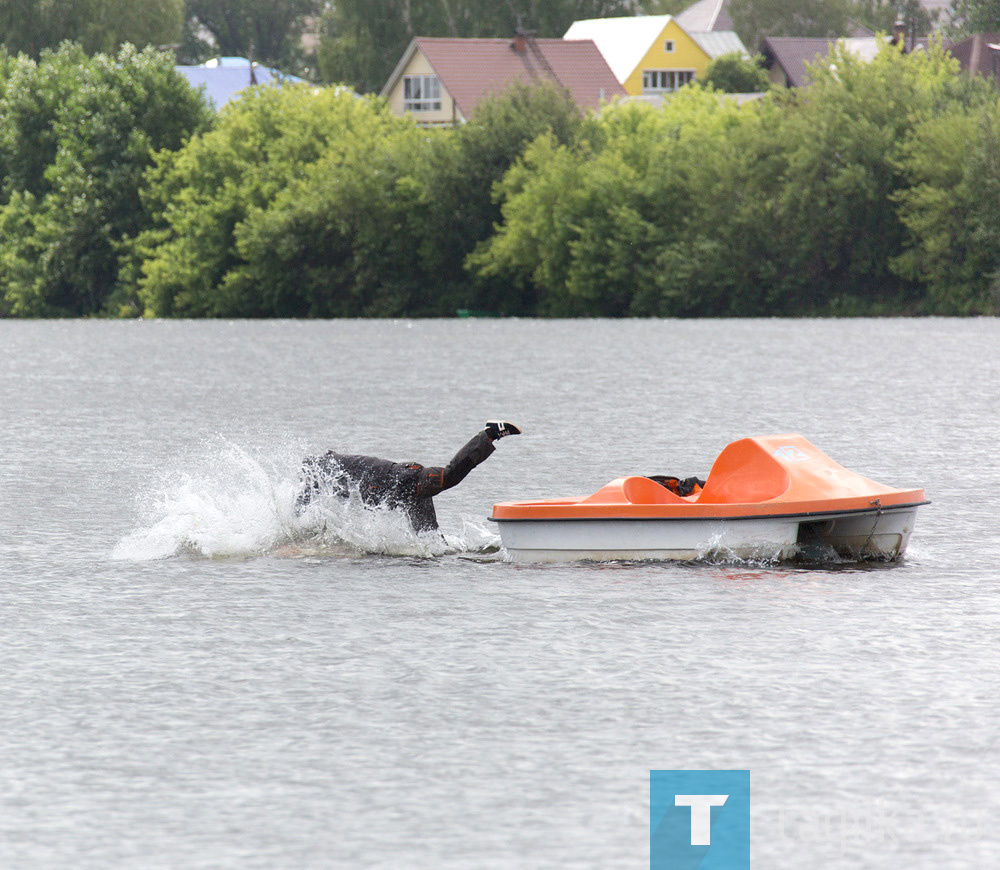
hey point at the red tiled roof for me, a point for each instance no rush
(472, 69)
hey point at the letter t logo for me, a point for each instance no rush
(701, 814)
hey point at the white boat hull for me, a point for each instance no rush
(876, 534)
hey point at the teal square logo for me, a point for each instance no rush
(699, 820)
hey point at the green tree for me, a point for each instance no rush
(663, 7)
(882, 16)
(735, 74)
(267, 31)
(30, 26)
(462, 172)
(786, 206)
(725, 257)
(754, 20)
(78, 135)
(985, 166)
(279, 210)
(344, 241)
(798, 213)
(973, 16)
(362, 40)
(584, 224)
(843, 140)
(302, 204)
(951, 210)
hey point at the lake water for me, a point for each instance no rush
(190, 681)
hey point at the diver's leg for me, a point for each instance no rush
(432, 480)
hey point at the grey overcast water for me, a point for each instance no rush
(189, 681)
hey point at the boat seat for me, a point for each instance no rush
(744, 473)
(642, 490)
(634, 490)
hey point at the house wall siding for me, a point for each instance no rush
(777, 76)
(687, 55)
(419, 65)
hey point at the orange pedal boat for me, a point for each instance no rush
(772, 497)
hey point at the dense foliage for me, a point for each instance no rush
(874, 191)
(884, 16)
(754, 20)
(358, 42)
(289, 207)
(268, 31)
(29, 26)
(735, 74)
(77, 136)
(321, 204)
(801, 204)
(974, 16)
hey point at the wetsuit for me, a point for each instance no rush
(409, 487)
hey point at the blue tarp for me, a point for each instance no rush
(232, 75)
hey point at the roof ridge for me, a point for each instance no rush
(490, 39)
(532, 43)
(715, 14)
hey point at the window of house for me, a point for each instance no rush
(668, 45)
(664, 81)
(421, 94)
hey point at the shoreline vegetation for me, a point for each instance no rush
(875, 191)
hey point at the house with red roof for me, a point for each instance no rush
(441, 80)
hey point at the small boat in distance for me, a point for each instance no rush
(772, 497)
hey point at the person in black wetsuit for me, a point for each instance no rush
(406, 486)
(688, 486)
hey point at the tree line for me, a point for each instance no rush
(358, 42)
(873, 191)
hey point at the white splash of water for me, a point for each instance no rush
(716, 551)
(235, 504)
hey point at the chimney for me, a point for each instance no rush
(520, 43)
(899, 33)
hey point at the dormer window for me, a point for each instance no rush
(421, 94)
(668, 46)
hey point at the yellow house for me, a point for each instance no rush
(653, 54)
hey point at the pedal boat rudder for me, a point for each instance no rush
(774, 497)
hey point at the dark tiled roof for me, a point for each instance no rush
(976, 56)
(472, 69)
(792, 53)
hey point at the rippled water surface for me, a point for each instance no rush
(191, 679)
